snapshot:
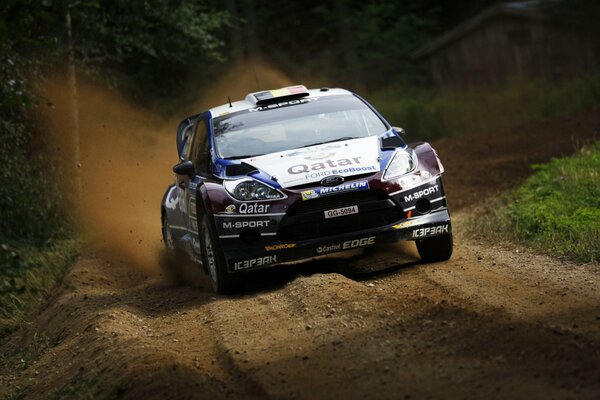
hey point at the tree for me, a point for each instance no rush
(153, 43)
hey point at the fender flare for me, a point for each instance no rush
(428, 158)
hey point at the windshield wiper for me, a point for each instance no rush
(333, 140)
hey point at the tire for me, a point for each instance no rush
(436, 248)
(212, 257)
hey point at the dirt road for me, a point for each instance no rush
(496, 321)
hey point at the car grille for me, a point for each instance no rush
(306, 220)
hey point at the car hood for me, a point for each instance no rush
(311, 164)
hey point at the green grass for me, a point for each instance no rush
(433, 113)
(557, 209)
(28, 274)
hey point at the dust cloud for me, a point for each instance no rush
(126, 158)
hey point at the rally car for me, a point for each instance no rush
(290, 174)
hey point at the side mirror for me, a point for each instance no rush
(184, 168)
(400, 131)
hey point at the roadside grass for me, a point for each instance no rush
(28, 274)
(557, 209)
(434, 113)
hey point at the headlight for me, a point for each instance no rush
(402, 163)
(251, 190)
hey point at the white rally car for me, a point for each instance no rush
(289, 174)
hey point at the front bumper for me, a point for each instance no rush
(400, 216)
(270, 253)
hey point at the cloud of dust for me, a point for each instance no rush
(126, 158)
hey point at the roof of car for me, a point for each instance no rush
(274, 94)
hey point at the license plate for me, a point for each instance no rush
(341, 212)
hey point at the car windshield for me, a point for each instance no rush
(308, 122)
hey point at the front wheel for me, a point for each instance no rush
(436, 248)
(214, 261)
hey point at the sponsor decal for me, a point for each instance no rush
(171, 203)
(421, 193)
(305, 168)
(406, 224)
(254, 208)
(309, 194)
(230, 209)
(352, 244)
(329, 248)
(283, 104)
(358, 156)
(245, 224)
(409, 181)
(332, 180)
(432, 230)
(256, 262)
(193, 186)
(347, 171)
(282, 246)
(347, 245)
(327, 191)
(175, 201)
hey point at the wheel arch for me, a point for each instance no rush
(428, 158)
(202, 199)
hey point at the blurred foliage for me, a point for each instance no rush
(354, 43)
(432, 113)
(557, 209)
(27, 276)
(147, 46)
(30, 202)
